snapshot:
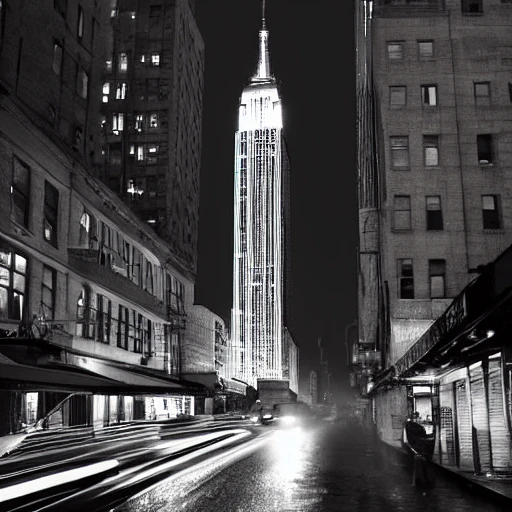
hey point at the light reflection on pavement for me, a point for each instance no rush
(339, 467)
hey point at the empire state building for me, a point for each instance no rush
(261, 230)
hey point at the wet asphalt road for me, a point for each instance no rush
(334, 467)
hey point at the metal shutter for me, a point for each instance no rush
(446, 431)
(464, 434)
(500, 436)
(480, 420)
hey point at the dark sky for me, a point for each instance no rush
(312, 55)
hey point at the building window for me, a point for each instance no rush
(61, 6)
(122, 62)
(434, 213)
(153, 120)
(140, 153)
(82, 81)
(405, 279)
(399, 152)
(402, 212)
(490, 212)
(104, 307)
(106, 92)
(397, 96)
(472, 6)
(85, 315)
(121, 91)
(48, 291)
(431, 150)
(117, 122)
(87, 233)
(436, 271)
(138, 332)
(425, 49)
(51, 212)
(429, 95)
(122, 327)
(155, 59)
(482, 94)
(13, 271)
(176, 294)
(485, 149)
(139, 122)
(57, 58)
(20, 192)
(149, 277)
(80, 27)
(395, 50)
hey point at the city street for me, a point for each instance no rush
(338, 467)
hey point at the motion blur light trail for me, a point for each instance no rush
(64, 477)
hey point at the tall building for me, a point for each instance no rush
(149, 131)
(434, 167)
(261, 232)
(91, 298)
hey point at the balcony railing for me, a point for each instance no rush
(407, 7)
(87, 263)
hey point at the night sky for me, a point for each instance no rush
(312, 55)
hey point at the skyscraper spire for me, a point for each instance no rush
(263, 71)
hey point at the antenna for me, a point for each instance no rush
(263, 24)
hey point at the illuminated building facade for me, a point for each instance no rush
(261, 234)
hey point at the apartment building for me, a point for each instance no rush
(434, 167)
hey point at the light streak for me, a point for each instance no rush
(46, 482)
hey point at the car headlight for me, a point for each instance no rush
(267, 416)
(288, 419)
(254, 419)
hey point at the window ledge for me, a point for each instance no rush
(23, 230)
(396, 230)
(494, 231)
(433, 167)
(487, 166)
(399, 169)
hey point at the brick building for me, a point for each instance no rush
(86, 286)
(148, 135)
(434, 166)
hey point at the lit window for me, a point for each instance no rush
(140, 153)
(396, 50)
(437, 270)
(122, 62)
(57, 58)
(425, 49)
(13, 270)
(139, 122)
(121, 91)
(429, 95)
(485, 149)
(400, 152)
(106, 92)
(405, 279)
(482, 93)
(153, 120)
(155, 59)
(490, 212)
(397, 96)
(143, 58)
(108, 64)
(118, 122)
(132, 149)
(132, 14)
(431, 150)
(434, 213)
(153, 148)
(402, 212)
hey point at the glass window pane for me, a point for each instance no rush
(19, 282)
(5, 277)
(426, 48)
(48, 277)
(20, 264)
(397, 95)
(4, 308)
(400, 157)
(402, 203)
(47, 298)
(402, 220)
(433, 203)
(437, 286)
(431, 157)
(488, 203)
(5, 257)
(17, 306)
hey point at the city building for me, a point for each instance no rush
(91, 298)
(148, 131)
(261, 266)
(434, 100)
(204, 360)
(313, 388)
